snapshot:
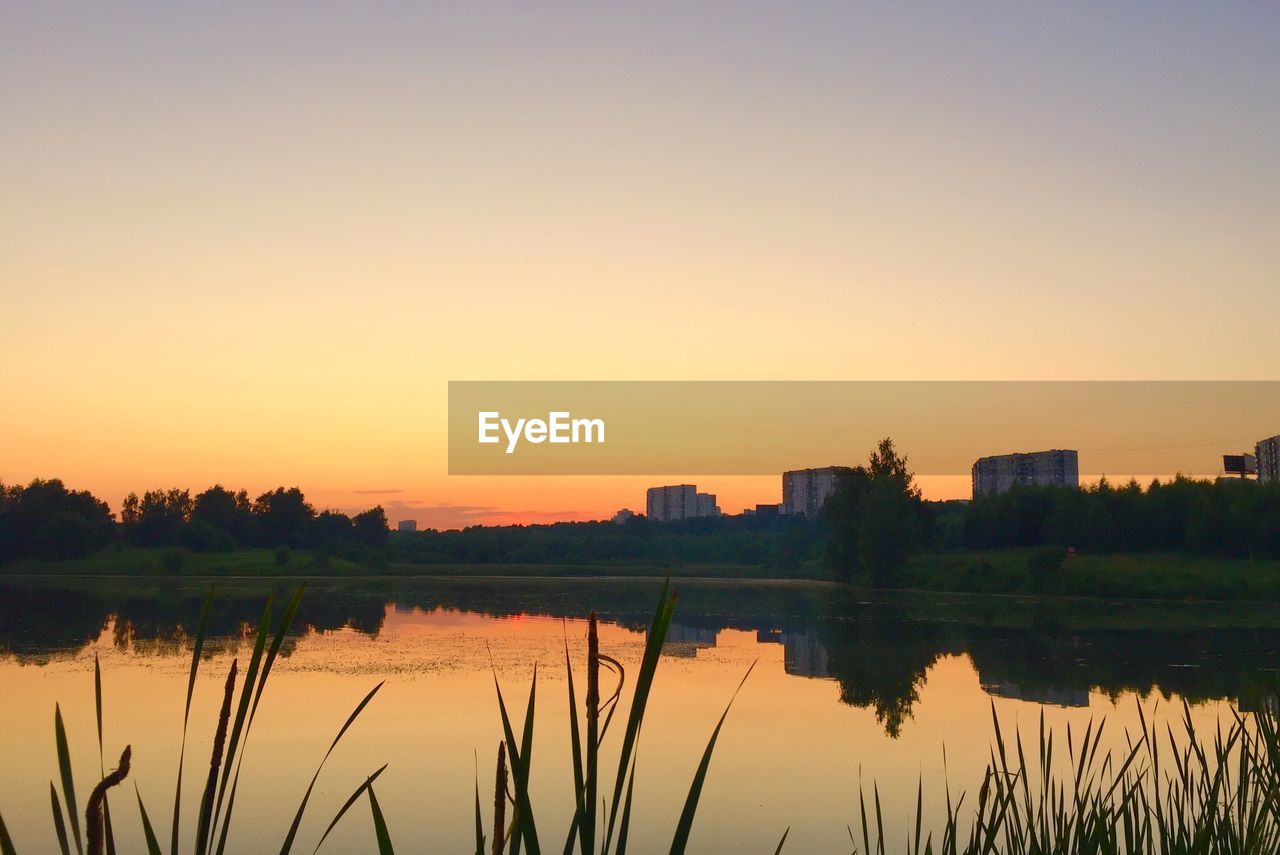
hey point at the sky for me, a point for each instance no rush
(251, 243)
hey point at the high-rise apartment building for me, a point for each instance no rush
(675, 502)
(999, 474)
(679, 502)
(1268, 453)
(804, 490)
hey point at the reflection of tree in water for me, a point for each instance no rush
(879, 651)
(36, 621)
(880, 654)
(880, 660)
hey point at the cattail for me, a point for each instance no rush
(93, 816)
(215, 762)
(500, 801)
(593, 726)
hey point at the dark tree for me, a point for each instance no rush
(370, 528)
(157, 518)
(224, 511)
(282, 517)
(875, 518)
(47, 520)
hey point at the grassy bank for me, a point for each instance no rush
(1114, 575)
(1003, 571)
(140, 561)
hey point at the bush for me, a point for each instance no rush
(377, 560)
(173, 560)
(283, 557)
(199, 536)
(1044, 564)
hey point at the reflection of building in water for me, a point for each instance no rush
(1256, 702)
(403, 608)
(1053, 697)
(686, 641)
(803, 655)
(768, 636)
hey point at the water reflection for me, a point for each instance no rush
(878, 650)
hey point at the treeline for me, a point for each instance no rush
(1226, 517)
(782, 542)
(46, 520)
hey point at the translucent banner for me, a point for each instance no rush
(766, 427)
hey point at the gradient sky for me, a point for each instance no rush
(251, 243)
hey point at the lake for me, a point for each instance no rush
(847, 688)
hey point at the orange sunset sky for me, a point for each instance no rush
(252, 245)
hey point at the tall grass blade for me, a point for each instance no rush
(644, 682)
(624, 827)
(783, 841)
(591, 784)
(380, 826)
(479, 819)
(351, 800)
(102, 771)
(287, 846)
(242, 711)
(68, 783)
(149, 833)
(577, 827)
(526, 749)
(685, 825)
(59, 824)
(524, 811)
(6, 842)
(286, 622)
(196, 649)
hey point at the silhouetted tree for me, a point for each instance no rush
(875, 518)
(282, 517)
(370, 528)
(47, 520)
(156, 518)
(224, 511)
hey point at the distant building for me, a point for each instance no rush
(675, 502)
(407, 525)
(1053, 468)
(679, 502)
(765, 510)
(623, 515)
(804, 490)
(1268, 454)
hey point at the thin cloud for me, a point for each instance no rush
(450, 516)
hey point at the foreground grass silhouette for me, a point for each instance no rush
(1165, 794)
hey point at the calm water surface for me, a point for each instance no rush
(845, 689)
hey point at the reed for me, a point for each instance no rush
(1171, 789)
(1163, 794)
